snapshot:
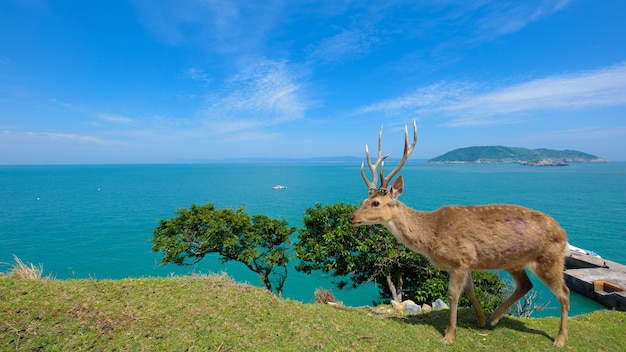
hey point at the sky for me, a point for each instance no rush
(166, 81)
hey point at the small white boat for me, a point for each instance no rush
(279, 187)
(574, 249)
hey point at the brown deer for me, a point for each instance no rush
(460, 239)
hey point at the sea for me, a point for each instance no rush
(96, 221)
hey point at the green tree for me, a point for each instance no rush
(260, 243)
(360, 254)
(370, 253)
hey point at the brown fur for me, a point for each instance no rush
(460, 239)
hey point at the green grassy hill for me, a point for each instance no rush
(216, 314)
(500, 154)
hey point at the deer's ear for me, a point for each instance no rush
(397, 187)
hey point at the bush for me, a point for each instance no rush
(324, 296)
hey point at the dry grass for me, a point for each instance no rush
(29, 271)
(324, 296)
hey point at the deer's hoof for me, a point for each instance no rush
(448, 340)
(493, 322)
(481, 322)
(560, 341)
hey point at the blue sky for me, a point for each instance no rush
(153, 81)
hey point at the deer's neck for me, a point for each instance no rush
(412, 228)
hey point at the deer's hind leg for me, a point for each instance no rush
(551, 273)
(469, 291)
(522, 286)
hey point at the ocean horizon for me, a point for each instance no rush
(96, 221)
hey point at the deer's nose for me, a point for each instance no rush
(351, 219)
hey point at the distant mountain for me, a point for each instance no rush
(261, 160)
(509, 155)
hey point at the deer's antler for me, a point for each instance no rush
(373, 166)
(384, 181)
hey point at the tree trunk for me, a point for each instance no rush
(396, 295)
(400, 285)
(266, 281)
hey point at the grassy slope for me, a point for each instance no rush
(216, 314)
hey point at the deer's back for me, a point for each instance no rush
(497, 236)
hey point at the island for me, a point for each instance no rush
(511, 155)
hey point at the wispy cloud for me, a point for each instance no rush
(262, 93)
(581, 133)
(197, 74)
(56, 136)
(466, 103)
(217, 26)
(345, 45)
(500, 18)
(118, 119)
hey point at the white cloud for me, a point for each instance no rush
(217, 26)
(197, 74)
(582, 133)
(500, 18)
(588, 89)
(115, 118)
(347, 44)
(267, 92)
(54, 136)
(432, 97)
(467, 103)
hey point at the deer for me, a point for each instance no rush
(461, 239)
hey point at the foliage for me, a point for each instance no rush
(427, 284)
(192, 314)
(360, 254)
(260, 243)
(489, 289)
(353, 255)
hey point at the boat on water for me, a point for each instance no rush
(574, 249)
(279, 187)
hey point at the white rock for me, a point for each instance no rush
(439, 305)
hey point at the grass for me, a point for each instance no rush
(213, 313)
(25, 271)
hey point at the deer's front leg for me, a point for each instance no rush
(457, 283)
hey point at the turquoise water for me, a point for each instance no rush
(96, 221)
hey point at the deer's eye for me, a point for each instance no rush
(375, 203)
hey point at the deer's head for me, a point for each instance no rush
(378, 207)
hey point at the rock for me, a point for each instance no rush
(408, 301)
(426, 308)
(439, 305)
(410, 308)
(407, 307)
(397, 306)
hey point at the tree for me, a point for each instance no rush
(361, 254)
(260, 243)
(370, 253)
